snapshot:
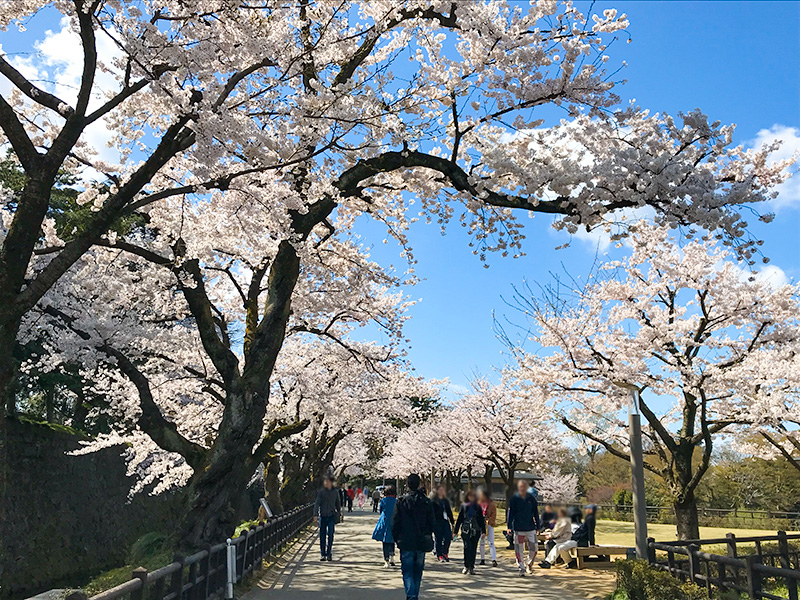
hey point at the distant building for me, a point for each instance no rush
(498, 489)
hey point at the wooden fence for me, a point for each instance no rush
(655, 514)
(204, 575)
(761, 566)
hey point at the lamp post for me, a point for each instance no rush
(637, 472)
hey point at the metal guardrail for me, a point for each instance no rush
(204, 575)
(744, 574)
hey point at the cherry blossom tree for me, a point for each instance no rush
(555, 486)
(701, 340)
(784, 439)
(504, 430)
(253, 137)
(435, 444)
(199, 98)
(142, 316)
(493, 427)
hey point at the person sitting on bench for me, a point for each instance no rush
(561, 531)
(582, 537)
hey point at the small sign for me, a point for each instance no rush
(265, 506)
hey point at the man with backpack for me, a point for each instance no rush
(523, 519)
(412, 530)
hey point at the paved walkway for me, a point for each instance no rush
(357, 573)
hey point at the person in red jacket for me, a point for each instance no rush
(351, 494)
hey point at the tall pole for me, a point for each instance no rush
(637, 474)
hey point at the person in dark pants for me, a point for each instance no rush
(383, 528)
(327, 509)
(376, 499)
(351, 494)
(472, 524)
(443, 524)
(412, 530)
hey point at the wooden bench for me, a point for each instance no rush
(580, 554)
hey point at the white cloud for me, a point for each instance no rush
(57, 65)
(788, 191)
(772, 275)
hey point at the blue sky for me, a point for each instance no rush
(737, 61)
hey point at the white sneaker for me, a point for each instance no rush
(464, 571)
(386, 564)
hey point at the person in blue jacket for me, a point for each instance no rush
(383, 529)
(522, 517)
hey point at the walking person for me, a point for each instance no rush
(412, 530)
(522, 516)
(383, 529)
(327, 509)
(473, 527)
(490, 515)
(351, 494)
(376, 498)
(443, 524)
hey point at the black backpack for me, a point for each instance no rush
(470, 527)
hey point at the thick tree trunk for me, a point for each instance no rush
(217, 486)
(292, 486)
(487, 478)
(272, 484)
(686, 518)
(8, 366)
(213, 499)
(509, 488)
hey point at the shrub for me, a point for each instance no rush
(637, 580)
(149, 545)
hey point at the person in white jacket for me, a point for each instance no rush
(561, 535)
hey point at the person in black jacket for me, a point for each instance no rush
(472, 524)
(522, 517)
(443, 523)
(412, 530)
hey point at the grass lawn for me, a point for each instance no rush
(620, 533)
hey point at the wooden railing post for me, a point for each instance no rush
(753, 576)
(731, 543)
(786, 563)
(651, 551)
(732, 553)
(783, 550)
(176, 585)
(205, 571)
(139, 573)
(694, 563)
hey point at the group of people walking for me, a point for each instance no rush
(417, 525)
